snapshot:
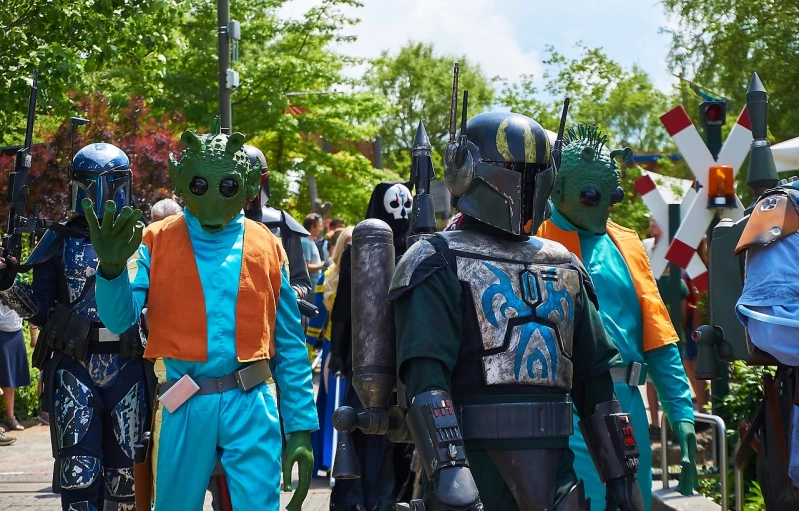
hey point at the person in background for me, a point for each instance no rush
(313, 224)
(336, 224)
(319, 328)
(14, 369)
(164, 208)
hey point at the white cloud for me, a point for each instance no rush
(460, 27)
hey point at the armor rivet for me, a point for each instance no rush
(776, 231)
(219, 384)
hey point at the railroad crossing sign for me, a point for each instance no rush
(697, 218)
(646, 187)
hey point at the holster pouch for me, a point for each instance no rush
(68, 332)
(131, 342)
(143, 472)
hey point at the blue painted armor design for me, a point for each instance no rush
(119, 482)
(73, 413)
(129, 416)
(81, 506)
(526, 314)
(104, 368)
(79, 472)
(80, 263)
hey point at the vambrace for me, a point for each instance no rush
(435, 430)
(609, 437)
(19, 298)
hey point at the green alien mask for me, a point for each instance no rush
(214, 176)
(587, 185)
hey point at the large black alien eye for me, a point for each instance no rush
(617, 195)
(228, 187)
(590, 196)
(198, 186)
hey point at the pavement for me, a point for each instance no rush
(26, 474)
(26, 469)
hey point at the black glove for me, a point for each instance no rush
(624, 494)
(335, 364)
(8, 272)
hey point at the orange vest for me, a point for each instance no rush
(176, 308)
(657, 329)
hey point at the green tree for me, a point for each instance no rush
(523, 97)
(293, 96)
(79, 46)
(417, 84)
(720, 45)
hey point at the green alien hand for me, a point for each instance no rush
(689, 478)
(115, 240)
(298, 451)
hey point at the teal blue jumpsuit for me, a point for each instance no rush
(621, 315)
(240, 427)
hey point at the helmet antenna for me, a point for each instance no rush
(75, 121)
(558, 149)
(453, 111)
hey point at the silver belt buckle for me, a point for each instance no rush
(105, 335)
(634, 376)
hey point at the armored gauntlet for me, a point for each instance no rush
(439, 442)
(609, 437)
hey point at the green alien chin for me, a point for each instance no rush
(588, 180)
(214, 177)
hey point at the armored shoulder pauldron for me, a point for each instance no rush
(775, 216)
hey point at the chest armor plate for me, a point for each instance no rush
(525, 296)
(80, 262)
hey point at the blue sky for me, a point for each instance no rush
(508, 37)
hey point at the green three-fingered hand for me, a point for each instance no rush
(689, 477)
(299, 451)
(115, 240)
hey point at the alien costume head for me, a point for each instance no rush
(392, 202)
(588, 179)
(214, 176)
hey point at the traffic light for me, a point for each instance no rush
(713, 113)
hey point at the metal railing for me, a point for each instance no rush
(720, 431)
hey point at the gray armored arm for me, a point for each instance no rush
(439, 442)
(19, 298)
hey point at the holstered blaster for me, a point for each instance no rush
(143, 472)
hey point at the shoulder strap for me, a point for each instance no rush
(87, 285)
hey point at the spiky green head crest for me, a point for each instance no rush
(588, 178)
(214, 176)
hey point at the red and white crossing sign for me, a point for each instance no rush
(659, 207)
(697, 218)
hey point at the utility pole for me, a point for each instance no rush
(228, 78)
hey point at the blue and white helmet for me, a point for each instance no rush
(100, 172)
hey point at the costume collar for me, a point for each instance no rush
(562, 223)
(234, 226)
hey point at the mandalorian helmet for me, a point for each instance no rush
(257, 158)
(100, 172)
(506, 177)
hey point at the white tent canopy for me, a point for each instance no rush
(786, 155)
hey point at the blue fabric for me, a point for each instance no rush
(770, 288)
(14, 370)
(243, 426)
(618, 301)
(621, 315)
(311, 255)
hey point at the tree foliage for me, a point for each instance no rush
(417, 84)
(720, 44)
(111, 46)
(147, 142)
(293, 96)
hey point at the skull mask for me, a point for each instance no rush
(398, 201)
